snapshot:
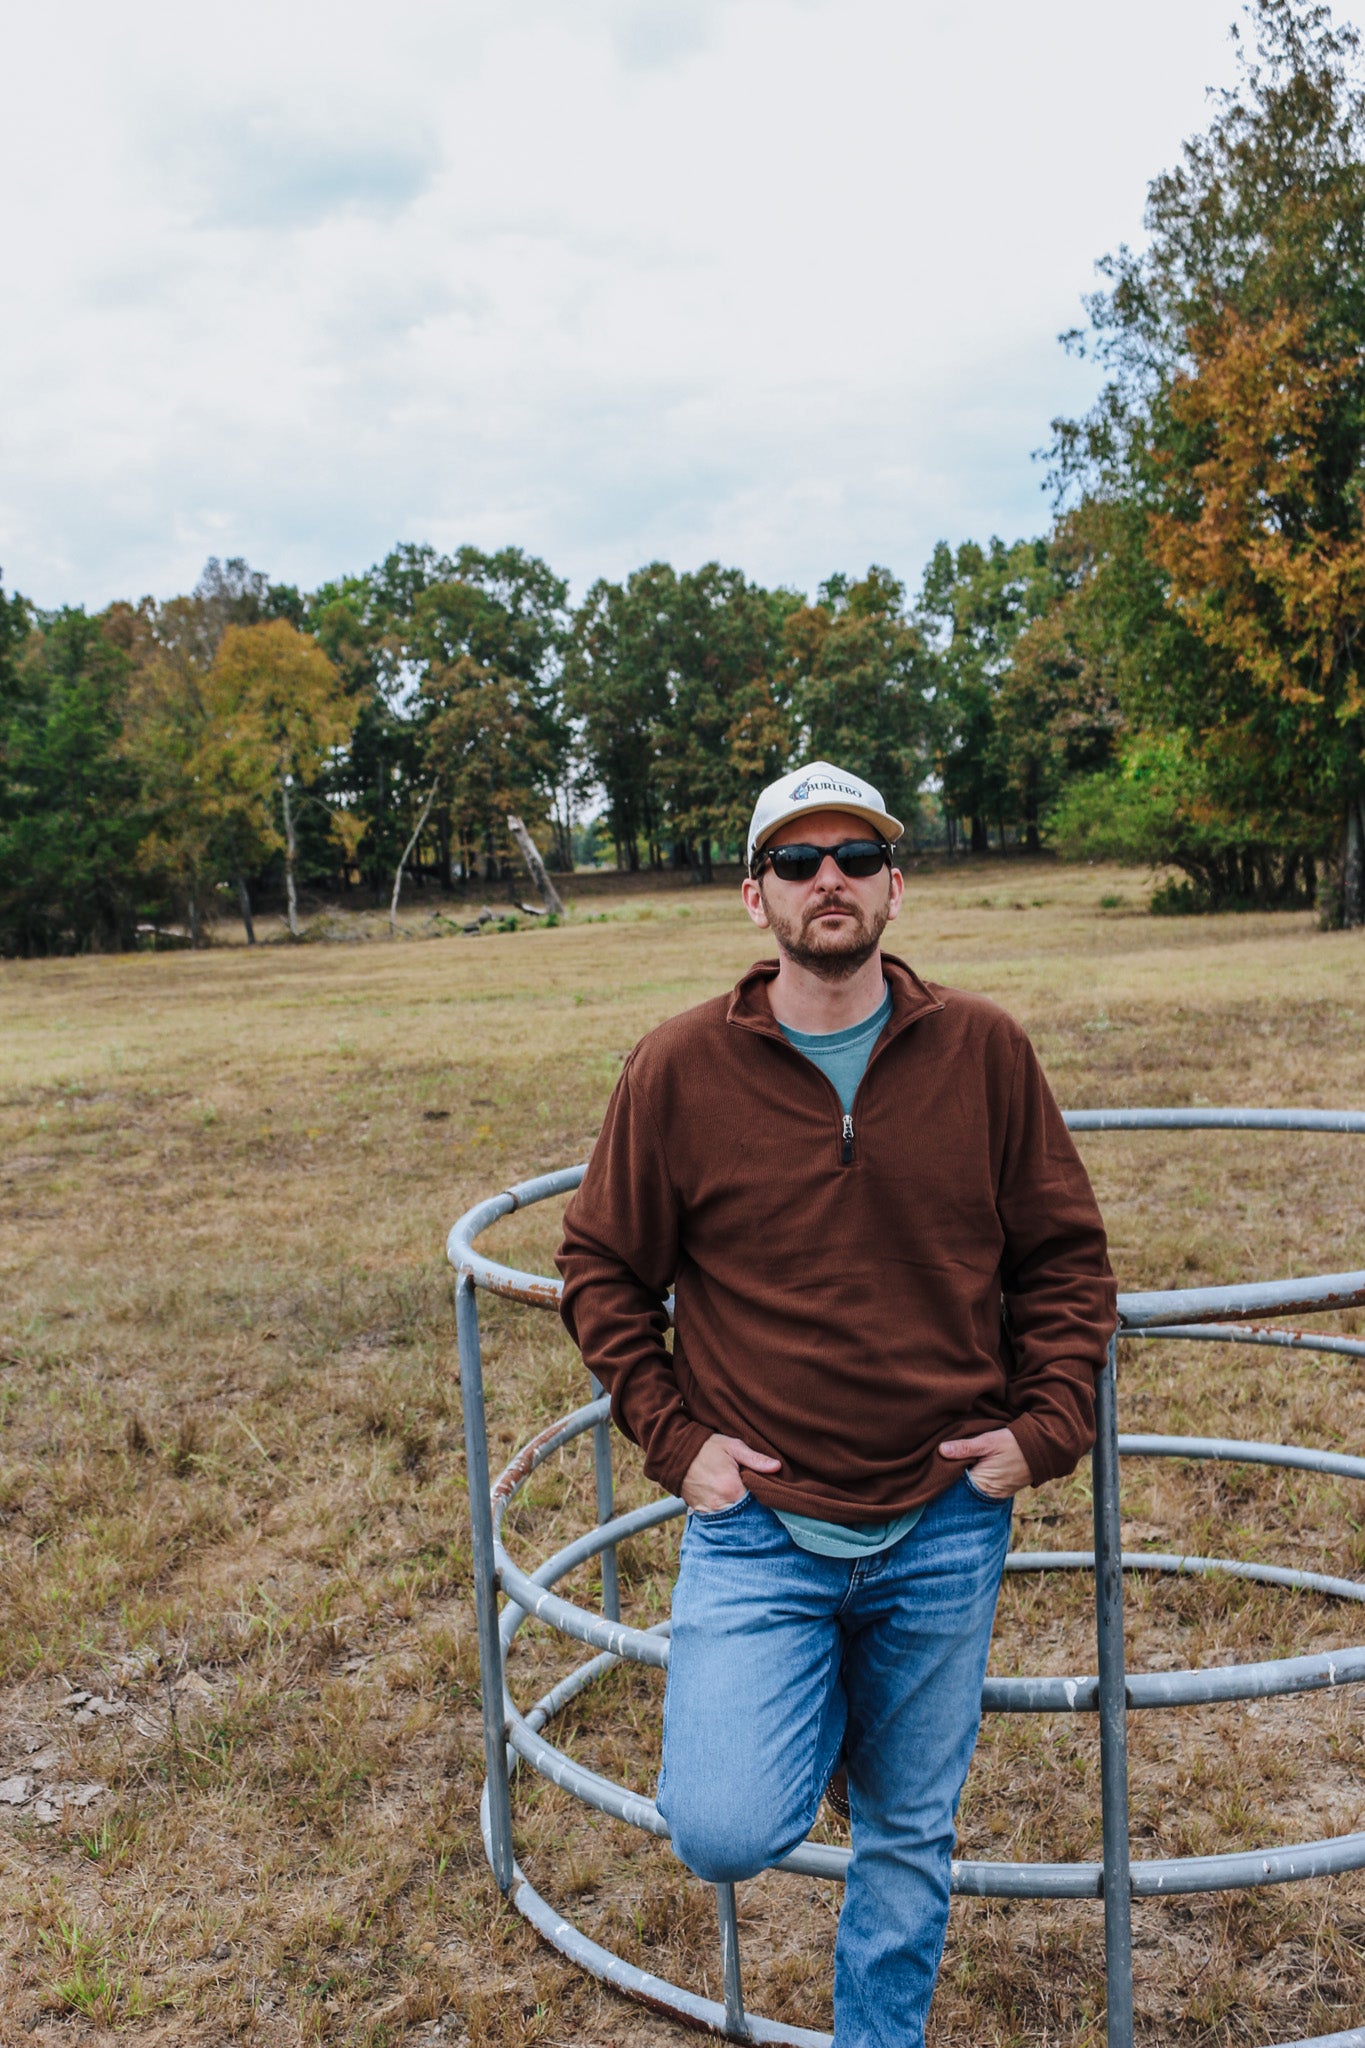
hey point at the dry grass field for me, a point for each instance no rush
(239, 1723)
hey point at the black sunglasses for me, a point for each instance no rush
(856, 858)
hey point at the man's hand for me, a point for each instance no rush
(998, 1465)
(715, 1478)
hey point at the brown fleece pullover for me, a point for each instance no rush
(849, 1294)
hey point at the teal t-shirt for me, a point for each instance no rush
(843, 1057)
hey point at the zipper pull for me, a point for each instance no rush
(848, 1141)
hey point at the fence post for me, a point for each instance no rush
(485, 1579)
(1118, 1900)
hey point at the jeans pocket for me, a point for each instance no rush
(995, 1500)
(709, 1515)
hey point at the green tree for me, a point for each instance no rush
(71, 819)
(1157, 804)
(490, 632)
(163, 730)
(618, 672)
(1225, 453)
(679, 681)
(1056, 711)
(973, 607)
(725, 730)
(379, 778)
(856, 675)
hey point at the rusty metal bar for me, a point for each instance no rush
(1242, 1333)
(1249, 1298)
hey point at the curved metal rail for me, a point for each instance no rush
(1193, 1314)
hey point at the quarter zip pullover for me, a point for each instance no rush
(949, 1276)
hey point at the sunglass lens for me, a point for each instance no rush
(859, 858)
(796, 863)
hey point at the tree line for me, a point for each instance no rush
(1174, 672)
(167, 760)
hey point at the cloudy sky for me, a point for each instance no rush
(773, 281)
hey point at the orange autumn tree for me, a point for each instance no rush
(1262, 543)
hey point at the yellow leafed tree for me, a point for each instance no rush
(277, 710)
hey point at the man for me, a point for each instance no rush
(892, 1299)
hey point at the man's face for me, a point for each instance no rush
(831, 924)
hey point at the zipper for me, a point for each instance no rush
(846, 1127)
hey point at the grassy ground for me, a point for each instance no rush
(238, 1682)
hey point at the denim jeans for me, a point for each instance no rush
(782, 1660)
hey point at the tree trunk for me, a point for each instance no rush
(423, 815)
(1353, 866)
(1032, 841)
(291, 850)
(244, 905)
(196, 925)
(563, 828)
(979, 841)
(530, 853)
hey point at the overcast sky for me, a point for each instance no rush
(773, 281)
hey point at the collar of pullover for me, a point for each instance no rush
(751, 1011)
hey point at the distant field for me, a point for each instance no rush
(232, 1507)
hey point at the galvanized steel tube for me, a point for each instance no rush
(1113, 1709)
(485, 1581)
(1188, 1313)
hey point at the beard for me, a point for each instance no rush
(833, 954)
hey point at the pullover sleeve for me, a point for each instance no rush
(618, 1259)
(1059, 1292)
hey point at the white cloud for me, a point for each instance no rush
(258, 167)
(775, 280)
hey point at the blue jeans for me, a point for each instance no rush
(780, 1661)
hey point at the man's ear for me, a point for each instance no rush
(753, 902)
(893, 908)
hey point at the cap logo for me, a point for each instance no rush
(822, 782)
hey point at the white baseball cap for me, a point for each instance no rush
(819, 786)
